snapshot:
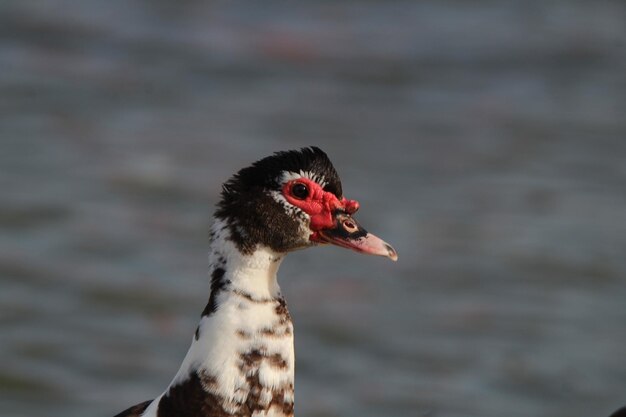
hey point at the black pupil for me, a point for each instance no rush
(300, 191)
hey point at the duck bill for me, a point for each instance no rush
(349, 234)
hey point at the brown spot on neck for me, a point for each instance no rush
(243, 334)
(282, 311)
(218, 284)
(250, 297)
(277, 361)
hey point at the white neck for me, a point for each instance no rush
(253, 274)
(242, 351)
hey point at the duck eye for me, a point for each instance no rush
(300, 191)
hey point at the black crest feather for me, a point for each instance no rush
(265, 172)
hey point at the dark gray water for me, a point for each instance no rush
(485, 140)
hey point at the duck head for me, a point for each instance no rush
(293, 200)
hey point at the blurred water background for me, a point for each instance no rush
(485, 140)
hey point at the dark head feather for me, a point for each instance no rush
(265, 172)
(247, 206)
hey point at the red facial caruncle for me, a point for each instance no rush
(331, 218)
(320, 205)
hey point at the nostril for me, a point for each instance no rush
(348, 225)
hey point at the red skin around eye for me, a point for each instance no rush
(319, 204)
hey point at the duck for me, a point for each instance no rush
(241, 359)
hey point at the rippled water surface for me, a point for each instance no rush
(485, 140)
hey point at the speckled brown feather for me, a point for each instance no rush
(135, 410)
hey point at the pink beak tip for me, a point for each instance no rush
(391, 253)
